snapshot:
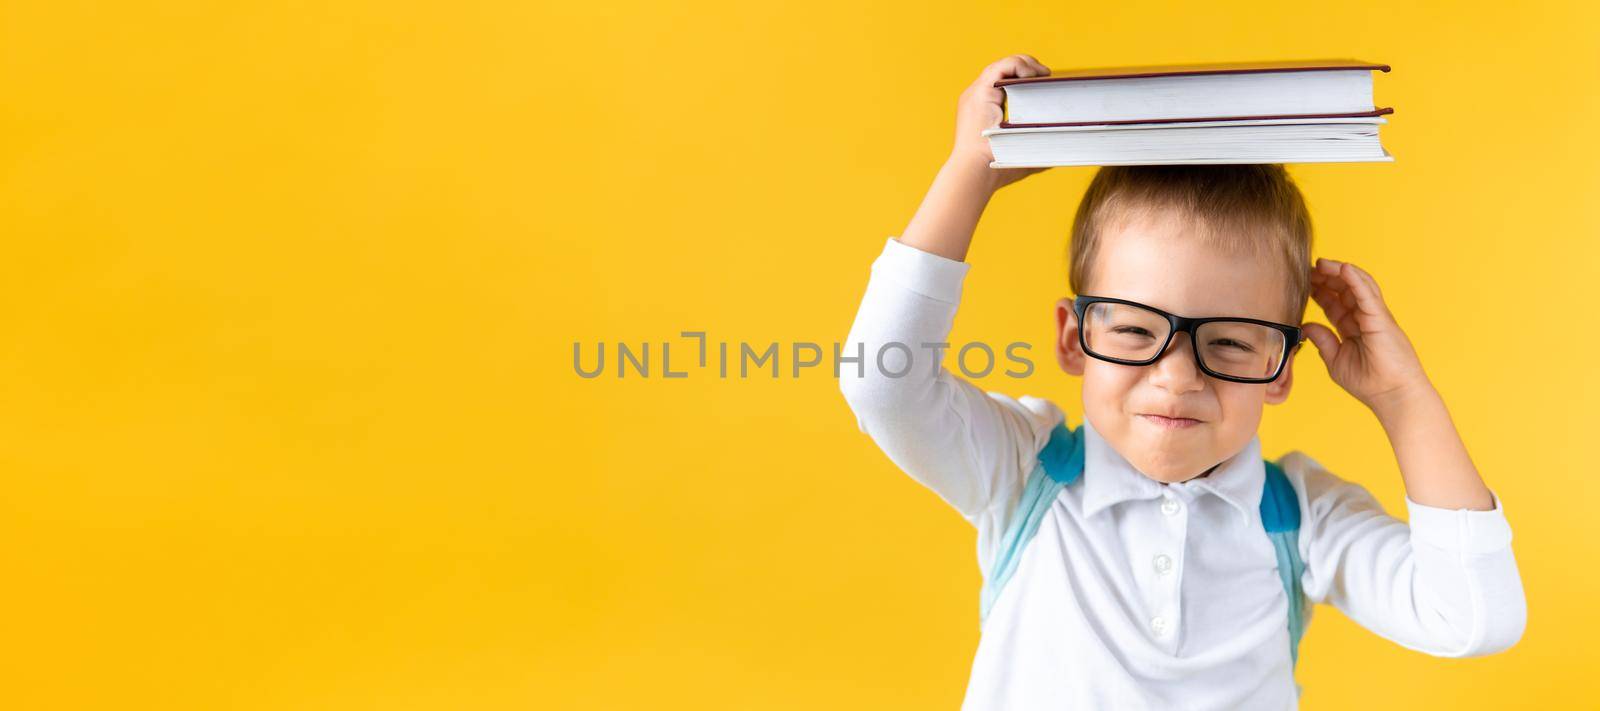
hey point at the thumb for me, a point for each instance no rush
(1326, 341)
(993, 114)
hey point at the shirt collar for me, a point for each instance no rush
(1109, 478)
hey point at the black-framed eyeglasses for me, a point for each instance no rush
(1240, 350)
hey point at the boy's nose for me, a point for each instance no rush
(1176, 369)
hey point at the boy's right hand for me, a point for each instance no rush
(980, 108)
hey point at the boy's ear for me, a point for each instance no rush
(1278, 390)
(1068, 352)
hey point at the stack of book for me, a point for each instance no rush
(1279, 112)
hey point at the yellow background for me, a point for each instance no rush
(290, 294)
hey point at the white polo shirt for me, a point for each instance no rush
(1136, 594)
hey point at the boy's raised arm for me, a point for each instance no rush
(949, 213)
(968, 446)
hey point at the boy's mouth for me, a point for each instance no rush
(1170, 422)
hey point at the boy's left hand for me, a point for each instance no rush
(1370, 357)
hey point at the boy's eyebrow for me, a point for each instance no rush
(1242, 313)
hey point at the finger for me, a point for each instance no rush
(1329, 303)
(1371, 281)
(1343, 317)
(1365, 296)
(1336, 311)
(1343, 295)
(1328, 296)
(984, 90)
(1326, 273)
(992, 115)
(1345, 276)
(991, 94)
(1346, 320)
(1318, 276)
(1012, 66)
(1021, 65)
(1349, 326)
(992, 73)
(1326, 342)
(1037, 65)
(1033, 67)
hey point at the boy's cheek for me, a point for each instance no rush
(1104, 399)
(1110, 383)
(1241, 410)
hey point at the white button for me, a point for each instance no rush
(1159, 624)
(1163, 564)
(1169, 506)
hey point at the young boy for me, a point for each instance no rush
(1146, 577)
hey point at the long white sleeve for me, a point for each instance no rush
(974, 449)
(1445, 584)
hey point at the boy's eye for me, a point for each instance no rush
(1134, 330)
(1230, 343)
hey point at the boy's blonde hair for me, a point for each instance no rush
(1240, 209)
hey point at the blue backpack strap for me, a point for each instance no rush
(1060, 464)
(1280, 515)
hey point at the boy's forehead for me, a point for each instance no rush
(1164, 263)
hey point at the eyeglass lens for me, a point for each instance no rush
(1233, 348)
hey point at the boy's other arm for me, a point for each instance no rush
(1371, 358)
(1447, 582)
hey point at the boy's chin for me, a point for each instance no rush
(1170, 458)
(1174, 477)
